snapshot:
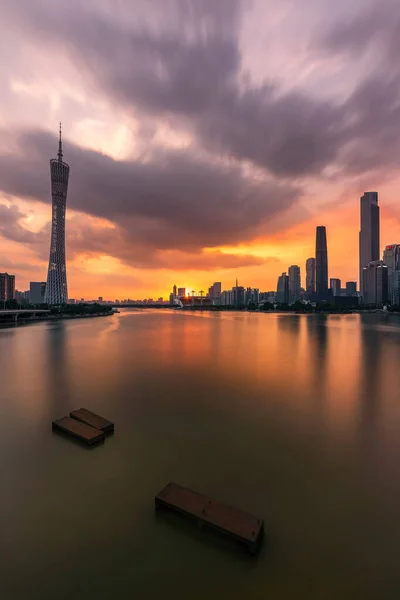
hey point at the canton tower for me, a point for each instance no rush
(56, 286)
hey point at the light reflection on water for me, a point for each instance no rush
(293, 417)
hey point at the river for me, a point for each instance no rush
(295, 418)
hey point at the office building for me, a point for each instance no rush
(369, 243)
(282, 290)
(37, 291)
(375, 283)
(7, 287)
(321, 265)
(56, 286)
(238, 296)
(351, 289)
(310, 278)
(391, 258)
(181, 292)
(335, 285)
(294, 283)
(227, 298)
(174, 291)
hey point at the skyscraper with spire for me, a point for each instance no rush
(56, 286)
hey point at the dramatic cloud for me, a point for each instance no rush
(169, 200)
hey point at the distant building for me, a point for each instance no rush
(214, 292)
(7, 287)
(227, 298)
(181, 292)
(171, 298)
(375, 283)
(37, 290)
(310, 278)
(369, 243)
(294, 283)
(282, 290)
(391, 258)
(238, 296)
(335, 285)
(22, 297)
(174, 291)
(100, 298)
(321, 264)
(351, 289)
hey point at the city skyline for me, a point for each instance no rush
(165, 185)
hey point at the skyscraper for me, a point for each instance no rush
(310, 278)
(391, 258)
(56, 286)
(335, 285)
(174, 291)
(282, 291)
(369, 243)
(294, 283)
(375, 283)
(321, 264)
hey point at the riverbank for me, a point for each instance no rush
(25, 320)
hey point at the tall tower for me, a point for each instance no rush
(294, 283)
(56, 286)
(321, 264)
(369, 231)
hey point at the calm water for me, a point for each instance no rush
(294, 418)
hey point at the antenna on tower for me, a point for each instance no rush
(60, 154)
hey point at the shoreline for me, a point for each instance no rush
(47, 318)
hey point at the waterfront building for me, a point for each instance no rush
(335, 285)
(282, 291)
(321, 264)
(37, 290)
(351, 289)
(181, 292)
(56, 286)
(174, 291)
(391, 258)
(227, 298)
(294, 283)
(310, 278)
(375, 283)
(369, 242)
(7, 287)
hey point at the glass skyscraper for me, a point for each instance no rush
(321, 264)
(369, 242)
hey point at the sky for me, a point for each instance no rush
(206, 139)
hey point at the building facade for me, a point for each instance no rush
(181, 292)
(310, 278)
(321, 265)
(391, 258)
(335, 285)
(7, 287)
(37, 290)
(375, 283)
(294, 283)
(282, 289)
(351, 289)
(56, 286)
(369, 242)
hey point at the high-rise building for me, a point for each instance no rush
(7, 287)
(391, 258)
(335, 285)
(310, 278)
(174, 291)
(181, 292)
(375, 283)
(351, 289)
(321, 264)
(56, 287)
(294, 283)
(282, 289)
(369, 244)
(37, 290)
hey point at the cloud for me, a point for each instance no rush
(172, 199)
(11, 228)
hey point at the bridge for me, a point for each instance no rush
(24, 312)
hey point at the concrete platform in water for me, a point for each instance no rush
(90, 418)
(230, 521)
(78, 430)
